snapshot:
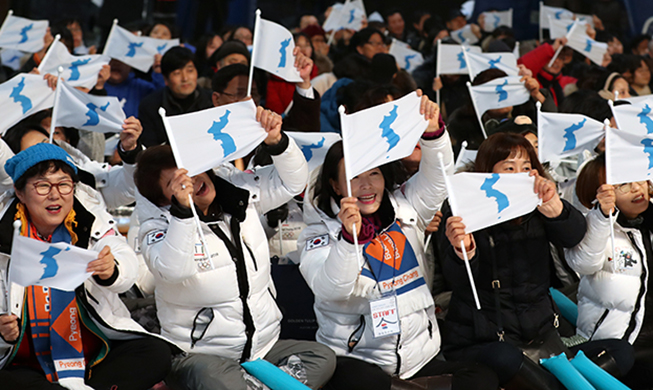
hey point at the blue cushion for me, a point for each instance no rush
(566, 373)
(568, 308)
(272, 376)
(595, 374)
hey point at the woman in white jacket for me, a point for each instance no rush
(216, 299)
(357, 294)
(614, 296)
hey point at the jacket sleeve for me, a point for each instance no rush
(536, 59)
(151, 122)
(126, 261)
(331, 271)
(568, 229)
(588, 257)
(304, 115)
(169, 258)
(5, 154)
(426, 190)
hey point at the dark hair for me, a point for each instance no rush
(591, 105)
(393, 173)
(363, 36)
(149, 166)
(500, 146)
(41, 169)
(590, 178)
(301, 34)
(393, 11)
(174, 33)
(487, 76)
(176, 58)
(375, 96)
(15, 134)
(61, 29)
(637, 40)
(222, 77)
(72, 136)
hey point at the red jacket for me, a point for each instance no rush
(536, 60)
(280, 93)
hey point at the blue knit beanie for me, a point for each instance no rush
(17, 165)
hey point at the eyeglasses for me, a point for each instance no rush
(45, 187)
(376, 44)
(627, 187)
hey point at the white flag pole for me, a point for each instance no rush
(616, 118)
(437, 71)
(345, 152)
(557, 53)
(254, 47)
(340, 17)
(175, 152)
(538, 105)
(55, 105)
(478, 114)
(48, 53)
(463, 148)
(616, 95)
(7, 281)
(608, 173)
(454, 209)
(4, 23)
(541, 18)
(113, 27)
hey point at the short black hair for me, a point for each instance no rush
(15, 134)
(42, 168)
(637, 40)
(222, 77)
(149, 166)
(176, 58)
(363, 36)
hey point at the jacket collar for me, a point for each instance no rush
(231, 199)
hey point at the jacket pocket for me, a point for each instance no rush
(599, 322)
(201, 323)
(356, 335)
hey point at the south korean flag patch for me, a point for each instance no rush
(156, 236)
(317, 242)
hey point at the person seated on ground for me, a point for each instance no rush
(346, 279)
(215, 299)
(99, 337)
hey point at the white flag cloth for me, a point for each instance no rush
(11, 58)
(628, 155)
(478, 62)
(349, 15)
(499, 93)
(381, 134)
(273, 48)
(560, 27)
(589, 19)
(314, 146)
(487, 199)
(639, 99)
(553, 12)
(60, 265)
(204, 139)
(464, 35)
(494, 19)
(406, 57)
(102, 114)
(79, 71)
(22, 96)
(451, 59)
(563, 135)
(23, 34)
(578, 40)
(137, 52)
(465, 156)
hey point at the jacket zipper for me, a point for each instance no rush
(599, 322)
(638, 305)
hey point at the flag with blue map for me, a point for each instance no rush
(560, 27)
(79, 110)
(79, 71)
(381, 134)
(11, 58)
(494, 19)
(464, 35)
(314, 146)
(272, 50)
(135, 51)
(22, 96)
(451, 59)
(487, 199)
(205, 139)
(578, 40)
(563, 135)
(628, 155)
(349, 15)
(555, 13)
(499, 93)
(23, 34)
(478, 62)
(407, 58)
(60, 265)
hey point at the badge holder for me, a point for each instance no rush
(385, 315)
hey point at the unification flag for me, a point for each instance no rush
(494, 19)
(22, 34)
(464, 35)
(37, 263)
(386, 133)
(11, 58)
(451, 59)
(560, 27)
(486, 199)
(465, 156)
(498, 93)
(628, 155)
(578, 40)
(563, 135)
(204, 139)
(273, 50)
(553, 12)
(74, 108)
(22, 96)
(588, 19)
(137, 52)
(314, 146)
(79, 71)
(349, 15)
(406, 57)
(478, 62)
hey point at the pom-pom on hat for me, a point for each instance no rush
(17, 165)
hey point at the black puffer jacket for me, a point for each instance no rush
(520, 250)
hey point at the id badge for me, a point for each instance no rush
(385, 317)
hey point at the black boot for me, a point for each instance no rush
(532, 376)
(440, 382)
